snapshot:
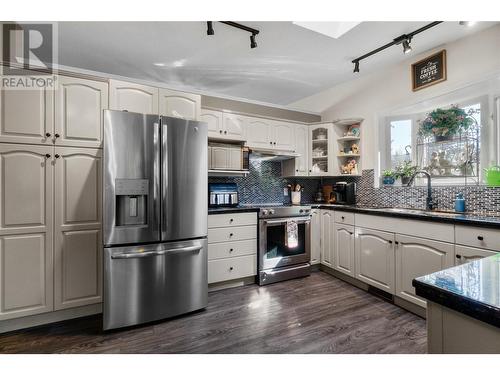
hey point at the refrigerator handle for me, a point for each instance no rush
(146, 254)
(164, 179)
(156, 174)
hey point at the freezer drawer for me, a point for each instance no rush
(152, 282)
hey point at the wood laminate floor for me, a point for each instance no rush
(316, 314)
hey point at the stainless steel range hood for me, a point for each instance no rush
(272, 155)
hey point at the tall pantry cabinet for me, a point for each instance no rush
(50, 197)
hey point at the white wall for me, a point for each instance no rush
(469, 59)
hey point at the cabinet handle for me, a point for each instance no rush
(231, 220)
(47, 156)
(47, 135)
(343, 218)
(458, 256)
(230, 235)
(230, 268)
(56, 135)
(231, 250)
(480, 238)
(57, 156)
(296, 170)
(310, 171)
(274, 142)
(220, 131)
(397, 243)
(271, 143)
(225, 131)
(390, 241)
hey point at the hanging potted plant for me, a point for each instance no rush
(444, 124)
(388, 177)
(405, 171)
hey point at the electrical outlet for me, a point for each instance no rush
(285, 192)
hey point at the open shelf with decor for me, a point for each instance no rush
(347, 148)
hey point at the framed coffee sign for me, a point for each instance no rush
(429, 71)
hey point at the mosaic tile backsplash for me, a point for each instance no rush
(264, 185)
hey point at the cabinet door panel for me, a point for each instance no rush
(374, 255)
(26, 188)
(78, 273)
(284, 136)
(320, 150)
(465, 254)
(25, 275)
(259, 133)
(233, 127)
(26, 116)
(418, 257)
(235, 162)
(79, 112)
(301, 147)
(179, 104)
(220, 157)
(133, 97)
(214, 122)
(315, 236)
(327, 238)
(344, 249)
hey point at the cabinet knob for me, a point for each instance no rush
(274, 142)
(47, 156)
(220, 131)
(343, 218)
(390, 241)
(270, 143)
(480, 238)
(56, 135)
(458, 256)
(310, 171)
(230, 235)
(47, 135)
(225, 131)
(57, 156)
(230, 268)
(231, 250)
(296, 170)
(231, 220)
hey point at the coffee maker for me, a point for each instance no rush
(345, 192)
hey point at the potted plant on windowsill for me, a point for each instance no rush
(388, 177)
(405, 171)
(444, 124)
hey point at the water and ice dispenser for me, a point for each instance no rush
(131, 202)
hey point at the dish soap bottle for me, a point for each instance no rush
(460, 203)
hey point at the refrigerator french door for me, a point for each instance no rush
(155, 217)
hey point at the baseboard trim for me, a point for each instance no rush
(50, 317)
(411, 307)
(231, 284)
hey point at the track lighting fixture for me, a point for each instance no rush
(404, 40)
(253, 43)
(252, 31)
(210, 29)
(356, 66)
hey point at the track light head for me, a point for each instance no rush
(356, 67)
(210, 29)
(253, 43)
(406, 46)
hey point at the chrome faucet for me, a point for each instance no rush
(429, 203)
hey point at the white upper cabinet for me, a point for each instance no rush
(234, 126)
(298, 166)
(283, 136)
(214, 122)
(79, 106)
(417, 257)
(132, 97)
(374, 256)
(180, 104)
(259, 132)
(27, 116)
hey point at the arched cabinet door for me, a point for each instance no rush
(259, 132)
(132, 97)
(26, 230)
(180, 104)
(327, 238)
(344, 249)
(214, 123)
(79, 109)
(78, 217)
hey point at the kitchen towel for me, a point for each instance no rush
(292, 234)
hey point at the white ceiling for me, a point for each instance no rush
(290, 62)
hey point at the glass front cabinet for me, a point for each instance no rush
(321, 150)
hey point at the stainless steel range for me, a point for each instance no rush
(284, 243)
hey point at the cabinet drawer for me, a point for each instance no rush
(344, 217)
(231, 268)
(232, 249)
(484, 238)
(232, 220)
(232, 234)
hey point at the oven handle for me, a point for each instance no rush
(301, 220)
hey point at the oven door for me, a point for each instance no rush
(273, 252)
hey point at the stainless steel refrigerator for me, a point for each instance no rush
(155, 217)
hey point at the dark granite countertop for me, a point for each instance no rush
(229, 210)
(472, 289)
(468, 218)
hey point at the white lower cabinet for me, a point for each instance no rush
(374, 254)
(232, 246)
(327, 238)
(417, 257)
(465, 254)
(344, 249)
(315, 236)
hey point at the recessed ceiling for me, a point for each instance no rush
(290, 62)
